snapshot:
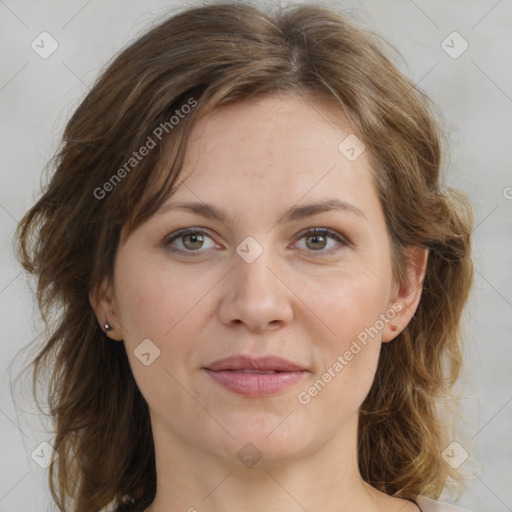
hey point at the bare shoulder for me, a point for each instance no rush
(387, 503)
(401, 505)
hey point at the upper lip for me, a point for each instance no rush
(241, 362)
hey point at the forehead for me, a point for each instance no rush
(257, 160)
(286, 142)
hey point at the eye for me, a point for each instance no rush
(317, 240)
(189, 240)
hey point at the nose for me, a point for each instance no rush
(256, 296)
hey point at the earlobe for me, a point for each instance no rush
(103, 304)
(408, 293)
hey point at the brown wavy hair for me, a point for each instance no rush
(210, 56)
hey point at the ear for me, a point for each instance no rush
(104, 306)
(407, 293)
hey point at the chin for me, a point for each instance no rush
(266, 447)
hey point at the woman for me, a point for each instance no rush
(256, 276)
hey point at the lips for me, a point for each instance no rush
(255, 365)
(255, 377)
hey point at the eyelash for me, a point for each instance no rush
(169, 239)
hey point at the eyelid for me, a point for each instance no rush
(175, 235)
(327, 232)
(323, 231)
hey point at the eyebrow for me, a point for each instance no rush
(295, 213)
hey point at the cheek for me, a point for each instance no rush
(347, 356)
(165, 306)
(141, 303)
(348, 301)
(160, 305)
(153, 298)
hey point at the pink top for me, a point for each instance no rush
(429, 505)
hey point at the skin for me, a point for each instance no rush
(298, 299)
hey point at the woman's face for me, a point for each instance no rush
(256, 283)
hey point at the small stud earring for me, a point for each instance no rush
(108, 327)
(393, 327)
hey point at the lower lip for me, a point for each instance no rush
(255, 384)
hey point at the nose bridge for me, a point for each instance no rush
(259, 268)
(253, 277)
(255, 295)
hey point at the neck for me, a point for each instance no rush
(195, 480)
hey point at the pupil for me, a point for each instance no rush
(317, 237)
(194, 239)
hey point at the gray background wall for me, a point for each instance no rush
(474, 91)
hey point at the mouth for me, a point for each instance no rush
(255, 377)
